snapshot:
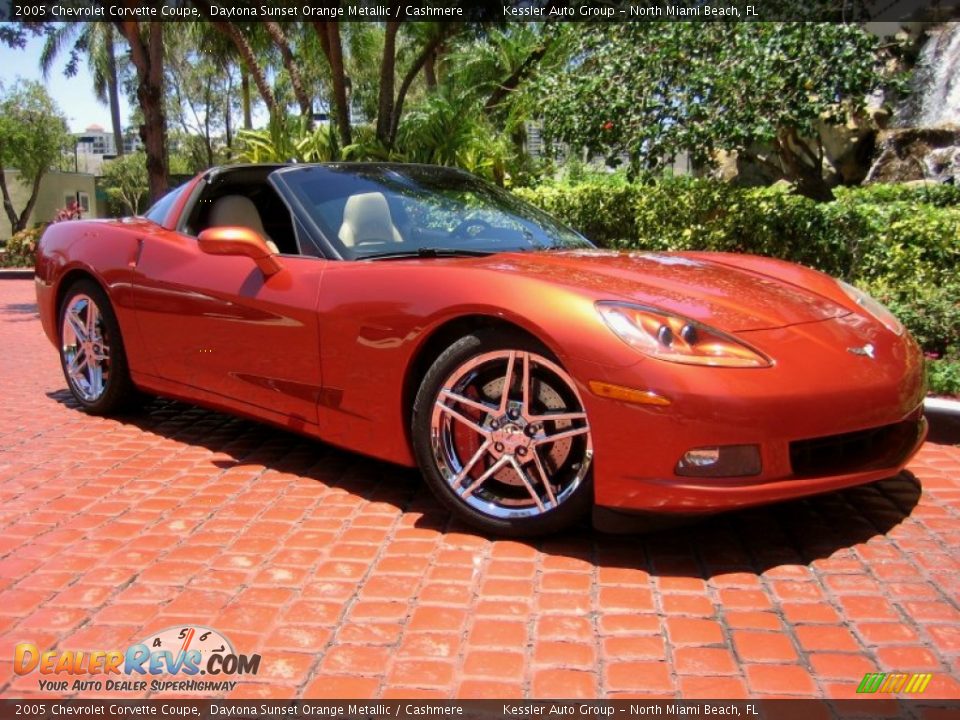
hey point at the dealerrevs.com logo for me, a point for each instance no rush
(189, 651)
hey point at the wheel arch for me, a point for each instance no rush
(68, 280)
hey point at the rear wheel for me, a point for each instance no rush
(502, 436)
(91, 351)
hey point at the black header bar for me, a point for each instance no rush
(482, 10)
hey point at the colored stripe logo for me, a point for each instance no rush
(894, 683)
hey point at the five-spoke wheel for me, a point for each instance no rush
(91, 350)
(502, 435)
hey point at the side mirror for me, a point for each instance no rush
(240, 241)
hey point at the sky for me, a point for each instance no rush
(74, 95)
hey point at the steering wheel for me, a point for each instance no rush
(471, 227)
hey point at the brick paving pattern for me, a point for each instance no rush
(350, 581)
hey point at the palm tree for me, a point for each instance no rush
(96, 40)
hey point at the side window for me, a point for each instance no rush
(158, 213)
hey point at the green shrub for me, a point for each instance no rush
(937, 194)
(899, 242)
(931, 312)
(601, 210)
(943, 377)
(21, 248)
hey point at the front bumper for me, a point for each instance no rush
(822, 419)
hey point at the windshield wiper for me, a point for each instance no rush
(426, 252)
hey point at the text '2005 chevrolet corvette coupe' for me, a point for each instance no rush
(421, 316)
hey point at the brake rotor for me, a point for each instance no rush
(545, 399)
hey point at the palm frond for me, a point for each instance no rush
(57, 40)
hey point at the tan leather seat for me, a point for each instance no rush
(366, 218)
(239, 211)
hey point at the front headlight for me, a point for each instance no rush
(678, 339)
(875, 309)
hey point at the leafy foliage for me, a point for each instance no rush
(943, 376)
(72, 211)
(653, 90)
(21, 248)
(290, 140)
(449, 129)
(125, 182)
(33, 133)
(444, 129)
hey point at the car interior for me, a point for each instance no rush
(244, 198)
(367, 219)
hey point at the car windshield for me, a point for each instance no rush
(396, 211)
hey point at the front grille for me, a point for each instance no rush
(873, 449)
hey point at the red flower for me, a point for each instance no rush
(608, 125)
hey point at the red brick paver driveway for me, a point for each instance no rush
(350, 581)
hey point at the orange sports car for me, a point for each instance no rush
(419, 315)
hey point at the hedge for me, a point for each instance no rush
(900, 243)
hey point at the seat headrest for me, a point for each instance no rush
(366, 218)
(236, 210)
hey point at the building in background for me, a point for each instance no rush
(95, 144)
(57, 191)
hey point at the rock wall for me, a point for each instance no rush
(910, 154)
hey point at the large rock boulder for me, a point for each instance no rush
(909, 154)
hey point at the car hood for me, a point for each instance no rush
(725, 297)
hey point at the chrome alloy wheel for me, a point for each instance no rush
(85, 352)
(509, 434)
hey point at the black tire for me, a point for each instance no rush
(118, 391)
(573, 492)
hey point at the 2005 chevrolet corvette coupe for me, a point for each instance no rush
(421, 316)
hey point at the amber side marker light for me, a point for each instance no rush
(630, 395)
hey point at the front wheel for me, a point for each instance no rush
(502, 436)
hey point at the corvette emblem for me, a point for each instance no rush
(867, 351)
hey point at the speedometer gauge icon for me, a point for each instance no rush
(185, 638)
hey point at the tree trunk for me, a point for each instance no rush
(208, 112)
(430, 71)
(18, 222)
(387, 71)
(419, 62)
(803, 168)
(28, 209)
(228, 111)
(8, 202)
(289, 62)
(329, 34)
(249, 57)
(113, 91)
(148, 60)
(516, 77)
(245, 96)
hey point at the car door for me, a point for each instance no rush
(216, 323)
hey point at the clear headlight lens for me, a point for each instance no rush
(878, 311)
(678, 339)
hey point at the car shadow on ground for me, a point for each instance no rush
(750, 541)
(20, 312)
